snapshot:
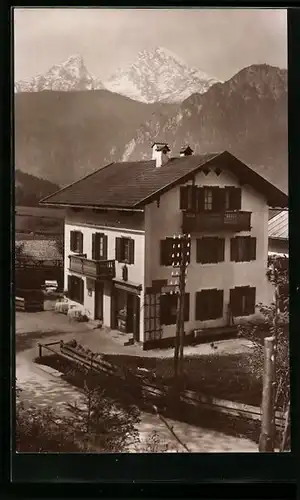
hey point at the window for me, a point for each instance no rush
(125, 250)
(76, 241)
(242, 300)
(209, 304)
(188, 197)
(99, 246)
(210, 250)
(167, 250)
(233, 198)
(168, 308)
(76, 289)
(208, 199)
(242, 249)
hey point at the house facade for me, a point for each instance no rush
(119, 226)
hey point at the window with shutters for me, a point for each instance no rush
(209, 304)
(233, 198)
(99, 246)
(125, 250)
(76, 241)
(242, 300)
(188, 198)
(210, 250)
(168, 308)
(167, 252)
(76, 289)
(242, 249)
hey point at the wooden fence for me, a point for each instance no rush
(154, 394)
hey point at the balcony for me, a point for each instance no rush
(231, 221)
(98, 269)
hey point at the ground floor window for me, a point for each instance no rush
(76, 289)
(209, 304)
(242, 300)
(168, 308)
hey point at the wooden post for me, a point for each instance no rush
(40, 350)
(266, 441)
(177, 335)
(182, 297)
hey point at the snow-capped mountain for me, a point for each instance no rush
(159, 75)
(71, 74)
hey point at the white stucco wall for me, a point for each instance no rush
(166, 220)
(88, 222)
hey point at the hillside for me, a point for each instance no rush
(246, 115)
(61, 136)
(30, 189)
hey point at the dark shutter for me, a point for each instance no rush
(192, 198)
(235, 302)
(166, 250)
(119, 249)
(200, 305)
(250, 300)
(80, 237)
(163, 252)
(105, 247)
(215, 198)
(221, 200)
(221, 249)
(70, 287)
(162, 309)
(219, 298)
(186, 307)
(184, 197)
(200, 200)
(236, 199)
(199, 248)
(252, 249)
(131, 251)
(94, 246)
(72, 241)
(234, 249)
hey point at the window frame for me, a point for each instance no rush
(210, 258)
(241, 303)
(166, 317)
(212, 314)
(76, 241)
(122, 243)
(243, 248)
(71, 285)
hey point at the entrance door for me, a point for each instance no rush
(99, 300)
(136, 318)
(130, 312)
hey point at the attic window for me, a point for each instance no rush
(206, 170)
(218, 171)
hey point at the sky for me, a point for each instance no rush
(217, 41)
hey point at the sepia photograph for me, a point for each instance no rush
(151, 230)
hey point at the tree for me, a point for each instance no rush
(275, 324)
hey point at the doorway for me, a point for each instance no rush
(99, 300)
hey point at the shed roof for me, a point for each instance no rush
(278, 226)
(40, 249)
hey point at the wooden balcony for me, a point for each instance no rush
(231, 221)
(98, 269)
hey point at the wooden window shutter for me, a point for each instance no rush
(72, 241)
(105, 246)
(250, 300)
(252, 248)
(233, 249)
(70, 287)
(200, 305)
(221, 249)
(215, 198)
(199, 250)
(235, 303)
(119, 249)
(200, 199)
(219, 303)
(166, 250)
(236, 199)
(131, 251)
(94, 246)
(163, 309)
(80, 242)
(186, 307)
(184, 197)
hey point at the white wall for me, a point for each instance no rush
(87, 222)
(166, 220)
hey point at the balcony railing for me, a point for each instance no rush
(232, 221)
(98, 269)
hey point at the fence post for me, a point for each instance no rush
(40, 350)
(266, 440)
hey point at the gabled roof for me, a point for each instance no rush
(132, 185)
(278, 226)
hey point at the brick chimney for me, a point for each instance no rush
(186, 151)
(160, 152)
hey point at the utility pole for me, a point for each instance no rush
(266, 440)
(180, 259)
